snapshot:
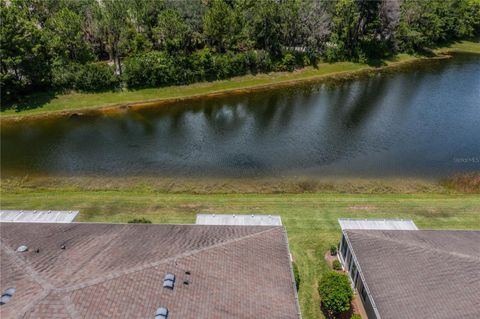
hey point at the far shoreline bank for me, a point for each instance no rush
(205, 90)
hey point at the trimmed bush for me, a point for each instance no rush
(296, 275)
(333, 250)
(142, 220)
(337, 265)
(336, 293)
(356, 316)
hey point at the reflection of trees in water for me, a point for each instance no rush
(225, 118)
(364, 103)
(311, 125)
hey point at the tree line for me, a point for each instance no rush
(95, 45)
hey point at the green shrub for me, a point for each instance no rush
(152, 69)
(96, 77)
(142, 220)
(222, 66)
(202, 65)
(64, 76)
(240, 63)
(296, 275)
(263, 62)
(356, 316)
(287, 63)
(337, 265)
(335, 292)
(11, 88)
(333, 250)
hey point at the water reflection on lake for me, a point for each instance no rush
(421, 121)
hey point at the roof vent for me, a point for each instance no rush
(7, 295)
(22, 248)
(162, 313)
(169, 281)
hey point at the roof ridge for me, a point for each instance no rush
(120, 273)
(415, 244)
(46, 286)
(25, 265)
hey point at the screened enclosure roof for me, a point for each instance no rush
(378, 224)
(37, 216)
(238, 220)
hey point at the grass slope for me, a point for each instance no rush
(310, 219)
(45, 103)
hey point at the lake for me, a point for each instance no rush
(421, 120)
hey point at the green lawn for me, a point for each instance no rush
(310, 219)
(41, 104)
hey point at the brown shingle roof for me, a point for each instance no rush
(420, 273)
(117, 271)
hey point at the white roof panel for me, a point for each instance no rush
(37, 216)
(239, 220)
(378, 224)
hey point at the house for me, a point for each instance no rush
(399, 271)
(95, 270)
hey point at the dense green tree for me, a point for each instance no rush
(171, 32)
(265, 24)
(467, 20)
(343, 41)
(113, 21)
(59, 43)
(23, 51)
(65, 32)
(220, 25)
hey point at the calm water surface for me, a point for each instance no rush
(423, 120)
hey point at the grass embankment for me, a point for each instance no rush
(46, 104)
(310, 218)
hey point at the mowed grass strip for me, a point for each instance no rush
(310, 219)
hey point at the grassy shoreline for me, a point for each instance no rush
(41, 106)
(456, 184)
(310, 218)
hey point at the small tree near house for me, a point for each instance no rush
(336, 293)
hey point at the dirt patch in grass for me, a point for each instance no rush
(362, 207)
(434, 212)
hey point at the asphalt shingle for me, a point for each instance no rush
(420, 273)
(117, 271)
